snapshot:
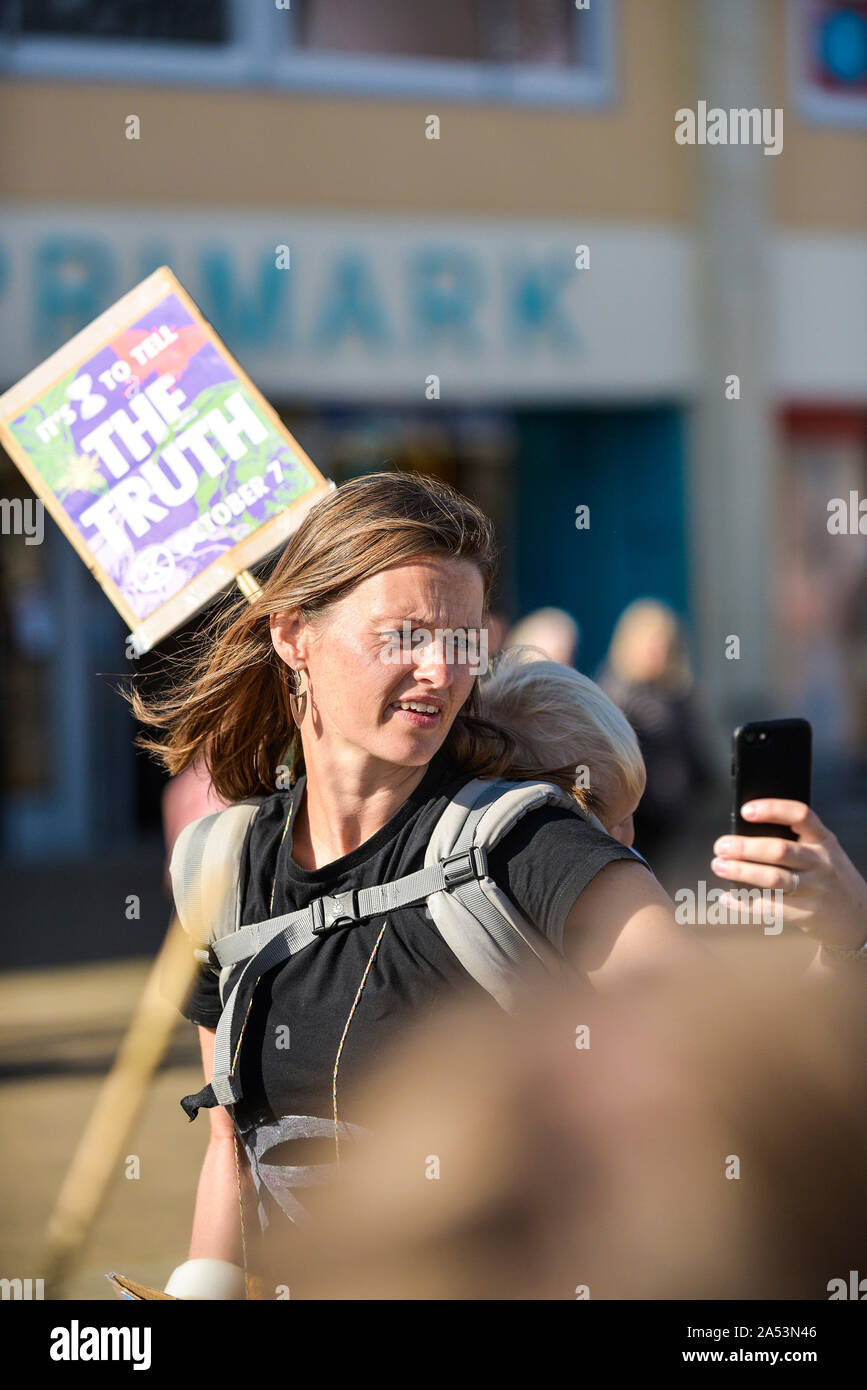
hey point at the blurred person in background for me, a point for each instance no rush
(554, 631)
(647, 673)
(653, 1143)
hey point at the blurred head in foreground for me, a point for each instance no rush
(688, 1138)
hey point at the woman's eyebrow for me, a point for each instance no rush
(420, 622)
(416, 620)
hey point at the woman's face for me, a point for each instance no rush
(407, 634)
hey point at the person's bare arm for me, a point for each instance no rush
(624, 921)
(217, 1221)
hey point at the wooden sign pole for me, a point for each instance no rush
(123, 1091)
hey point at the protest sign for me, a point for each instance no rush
(157, 457)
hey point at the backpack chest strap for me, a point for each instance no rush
(282, 937)
(335, 910)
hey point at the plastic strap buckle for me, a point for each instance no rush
(333, 911)
(463, 868)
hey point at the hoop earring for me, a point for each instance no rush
(297, 694)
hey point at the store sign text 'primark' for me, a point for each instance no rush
(334, 307)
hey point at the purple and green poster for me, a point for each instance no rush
(154, 452)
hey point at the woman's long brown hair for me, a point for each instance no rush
(228, 703)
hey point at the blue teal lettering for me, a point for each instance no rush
(533, 306)
(75, 280)
(445, 290)
(256, 319)
(354, 307)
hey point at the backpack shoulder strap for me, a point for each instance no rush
(205, 869)
(477, 920)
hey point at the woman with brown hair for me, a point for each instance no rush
(378, 748)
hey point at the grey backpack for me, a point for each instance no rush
(476, 919)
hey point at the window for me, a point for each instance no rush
(829, 59)
(541, 51)
(456, 31)
(191, 21)
(546, 51)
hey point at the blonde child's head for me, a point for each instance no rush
(564, 729)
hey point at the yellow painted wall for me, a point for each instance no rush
(219, 146)
(211, 145)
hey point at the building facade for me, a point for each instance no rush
(469, 244)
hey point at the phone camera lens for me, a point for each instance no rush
(749, 737)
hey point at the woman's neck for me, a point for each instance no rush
(345, 802)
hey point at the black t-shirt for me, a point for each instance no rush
(300, 1008)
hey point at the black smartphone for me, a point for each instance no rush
(770, 758)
